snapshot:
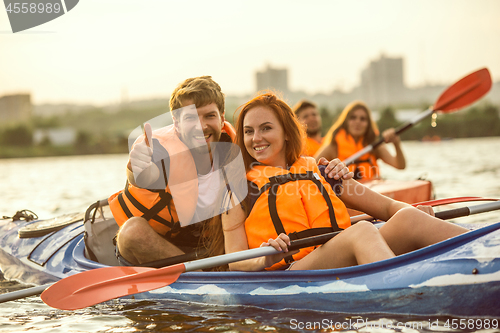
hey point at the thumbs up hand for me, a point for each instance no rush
(145, 172)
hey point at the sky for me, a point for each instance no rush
(103, 50)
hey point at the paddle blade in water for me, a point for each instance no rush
(464, 92)
(103, 284)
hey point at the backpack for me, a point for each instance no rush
(100, 231)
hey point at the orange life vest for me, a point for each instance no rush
(157, 206)
(366, 166)
(297, 201)
(311, 146)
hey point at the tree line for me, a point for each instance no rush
(100, 132)
(481, 120)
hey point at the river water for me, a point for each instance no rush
(60, 185)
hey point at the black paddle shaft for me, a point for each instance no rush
(322, 239)
(312, 241)
(399, 130)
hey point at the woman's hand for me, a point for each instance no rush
(398, 161)
(390, 135)
(426, 209)
(336, 169)
(281, 244)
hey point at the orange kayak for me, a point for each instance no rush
(409, 191)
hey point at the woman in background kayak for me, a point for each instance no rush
(354, 130)
(289, 196)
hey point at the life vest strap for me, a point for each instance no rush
(152, 213)
(357, 173)
(124, 206)
(165, 199)
(276, 181)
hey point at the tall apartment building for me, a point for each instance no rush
(273, 78)
(15, 108)
(382, 82)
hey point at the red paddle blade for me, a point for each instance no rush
(464, 92)
(103, 284)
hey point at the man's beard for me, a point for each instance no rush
(312, 132)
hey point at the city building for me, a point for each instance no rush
(273, 78)
(382, 82)
(15, 108)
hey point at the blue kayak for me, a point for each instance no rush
(460, 276)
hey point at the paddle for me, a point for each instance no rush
(18, 294)
(102, 284)
(462, 93)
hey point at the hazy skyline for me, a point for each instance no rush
(103, 47)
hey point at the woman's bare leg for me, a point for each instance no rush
(411, 229)
(359, 244)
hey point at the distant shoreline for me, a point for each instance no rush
(27, 152)
(33, 152)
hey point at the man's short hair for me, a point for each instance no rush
(202, 90)
(302, 105)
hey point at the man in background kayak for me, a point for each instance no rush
(308, 115)
(173, 177)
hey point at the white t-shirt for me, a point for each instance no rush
(214, 197)
(211, 188)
